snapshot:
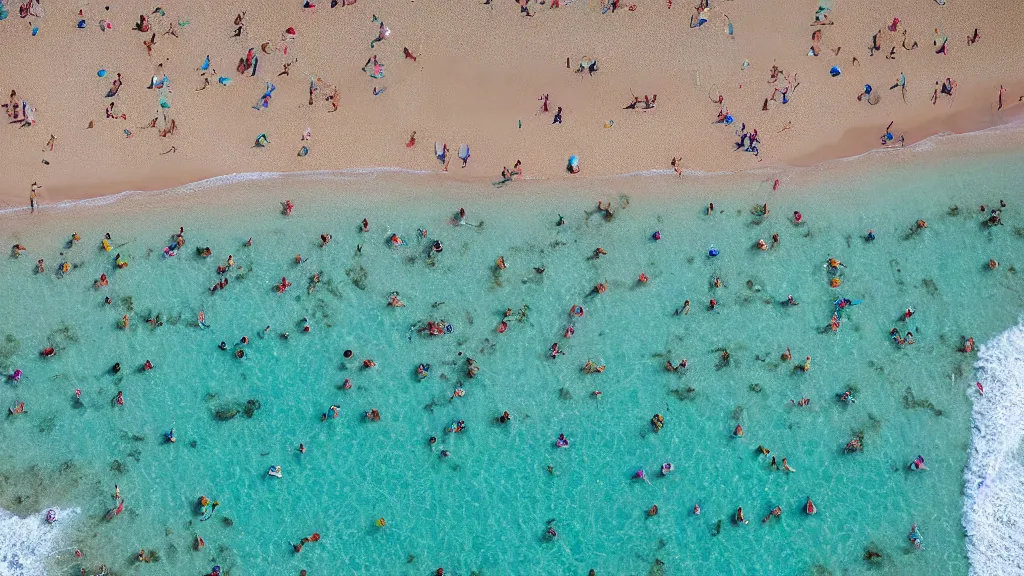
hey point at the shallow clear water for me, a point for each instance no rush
(486, 507)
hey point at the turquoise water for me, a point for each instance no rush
(486, 507)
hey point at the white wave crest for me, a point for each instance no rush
(26, 544)
(994, 477)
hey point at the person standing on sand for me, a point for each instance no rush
(1002, 91)
(558, 116)
(32, 197)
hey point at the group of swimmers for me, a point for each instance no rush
(832, 265)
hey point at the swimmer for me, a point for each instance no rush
(666, 468)
(504, 418)
(696, 509)
(657, 422)
(870, 237)
(790, 301)
(555, 351)
(737, 432)
(562, 441)
(915, 536)
(993, 264)
(761, 244)
(968, 346)
(786, 466)
(739, 519)
(918, 464)
(798, 218)
(764, 451)
(170, 437)
(147, 366)
(776, 512)
(366, 225)
(422, 371)
(394, 301)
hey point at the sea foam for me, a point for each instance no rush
(994, 477)
(26, 544)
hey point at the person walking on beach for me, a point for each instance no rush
(558, 116)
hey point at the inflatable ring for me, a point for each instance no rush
(576, 310)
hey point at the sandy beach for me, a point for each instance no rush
(478, 73)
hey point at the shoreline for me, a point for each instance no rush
(999, 138)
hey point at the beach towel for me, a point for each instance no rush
(206, 64)
(441, 151)
(464, 154)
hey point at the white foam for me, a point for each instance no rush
(26, 544)
(226, 179)
(994, 477)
